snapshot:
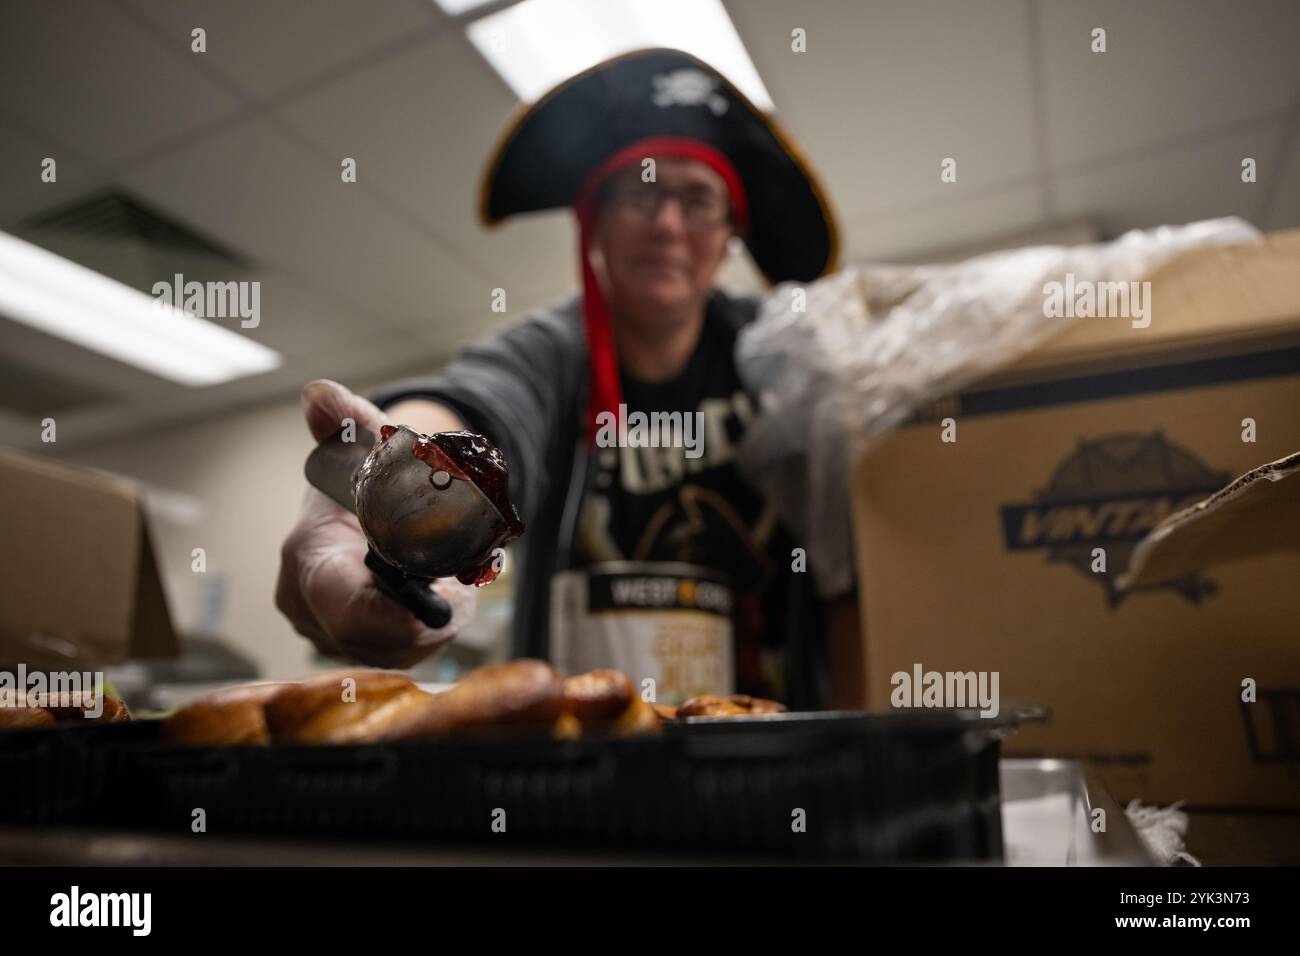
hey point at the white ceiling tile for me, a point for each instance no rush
(155, 404)
(287, 208)
(299, 323)
(133, 398)
(1285, 186)
(264, 47)
(141, 411)
(18, 431)
(887, 90)
(388, 276)
(420, 140)
(440, 340)
(1172, 68)
(533, 257)
(22, 192)
(383, 357)
(1172, 186)
(91, 77)
(906, 234)
(47, 354)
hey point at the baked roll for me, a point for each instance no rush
(640, 717)
(598, 695)
(665, 711)
(112, 711)
(523, 694)
(733, 705)
(327, 710)
(18, 711)
(526, 696)
(604, 703)
(233, 716)
(566, 727)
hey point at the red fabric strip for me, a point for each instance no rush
(605, 392)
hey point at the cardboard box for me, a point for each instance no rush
(79, 584)
(978, 555)
(1257, 514)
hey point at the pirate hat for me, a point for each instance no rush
(550, 150)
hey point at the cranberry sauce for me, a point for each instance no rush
(469, 457)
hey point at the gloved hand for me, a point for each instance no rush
(325, 589)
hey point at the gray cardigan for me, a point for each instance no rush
(525, 388)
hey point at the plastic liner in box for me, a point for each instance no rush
(868, 788)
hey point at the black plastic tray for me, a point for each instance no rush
(47, 775)
(871, 787)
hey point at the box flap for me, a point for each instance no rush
(1204, 297)
(153, 634)
(78, 584)
(1256, 514)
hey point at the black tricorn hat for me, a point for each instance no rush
(550, 147)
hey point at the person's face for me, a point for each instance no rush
(662, 252)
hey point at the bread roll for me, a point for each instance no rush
(327, 710)
(665, 711)
(18, 712)
(232, 716)
(19, 709)
(604, 703)
(759, 705)
(112, 711)
(733, 705)
(639, 718)
(710, 705)
(598, 695)
(566, 727)
(524, 693)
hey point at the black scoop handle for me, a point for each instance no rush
(411, 592)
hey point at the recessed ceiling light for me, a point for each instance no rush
(59, 297)
(538, 43)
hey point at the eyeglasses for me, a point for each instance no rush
(702, 207)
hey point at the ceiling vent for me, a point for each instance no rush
(114, 216)
(119, 236)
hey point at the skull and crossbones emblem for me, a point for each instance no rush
(689, 88)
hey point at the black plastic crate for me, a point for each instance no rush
(873, 788)
(48, 775)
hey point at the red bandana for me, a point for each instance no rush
(605, 393)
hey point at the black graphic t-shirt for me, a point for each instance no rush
(524, 386)
(686, 501)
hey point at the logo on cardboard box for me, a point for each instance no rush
(1273, 725)
(1109, 493)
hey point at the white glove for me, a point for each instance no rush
(325, 589)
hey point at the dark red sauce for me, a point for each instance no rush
(469, 456)
(472, 456)
(479, 576)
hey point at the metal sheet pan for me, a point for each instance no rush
(1050, 817)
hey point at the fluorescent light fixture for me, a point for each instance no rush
(538, 43)
(454, 8)
(67, 300)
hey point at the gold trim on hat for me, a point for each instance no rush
(796, 154)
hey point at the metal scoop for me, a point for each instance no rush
(422, 521)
